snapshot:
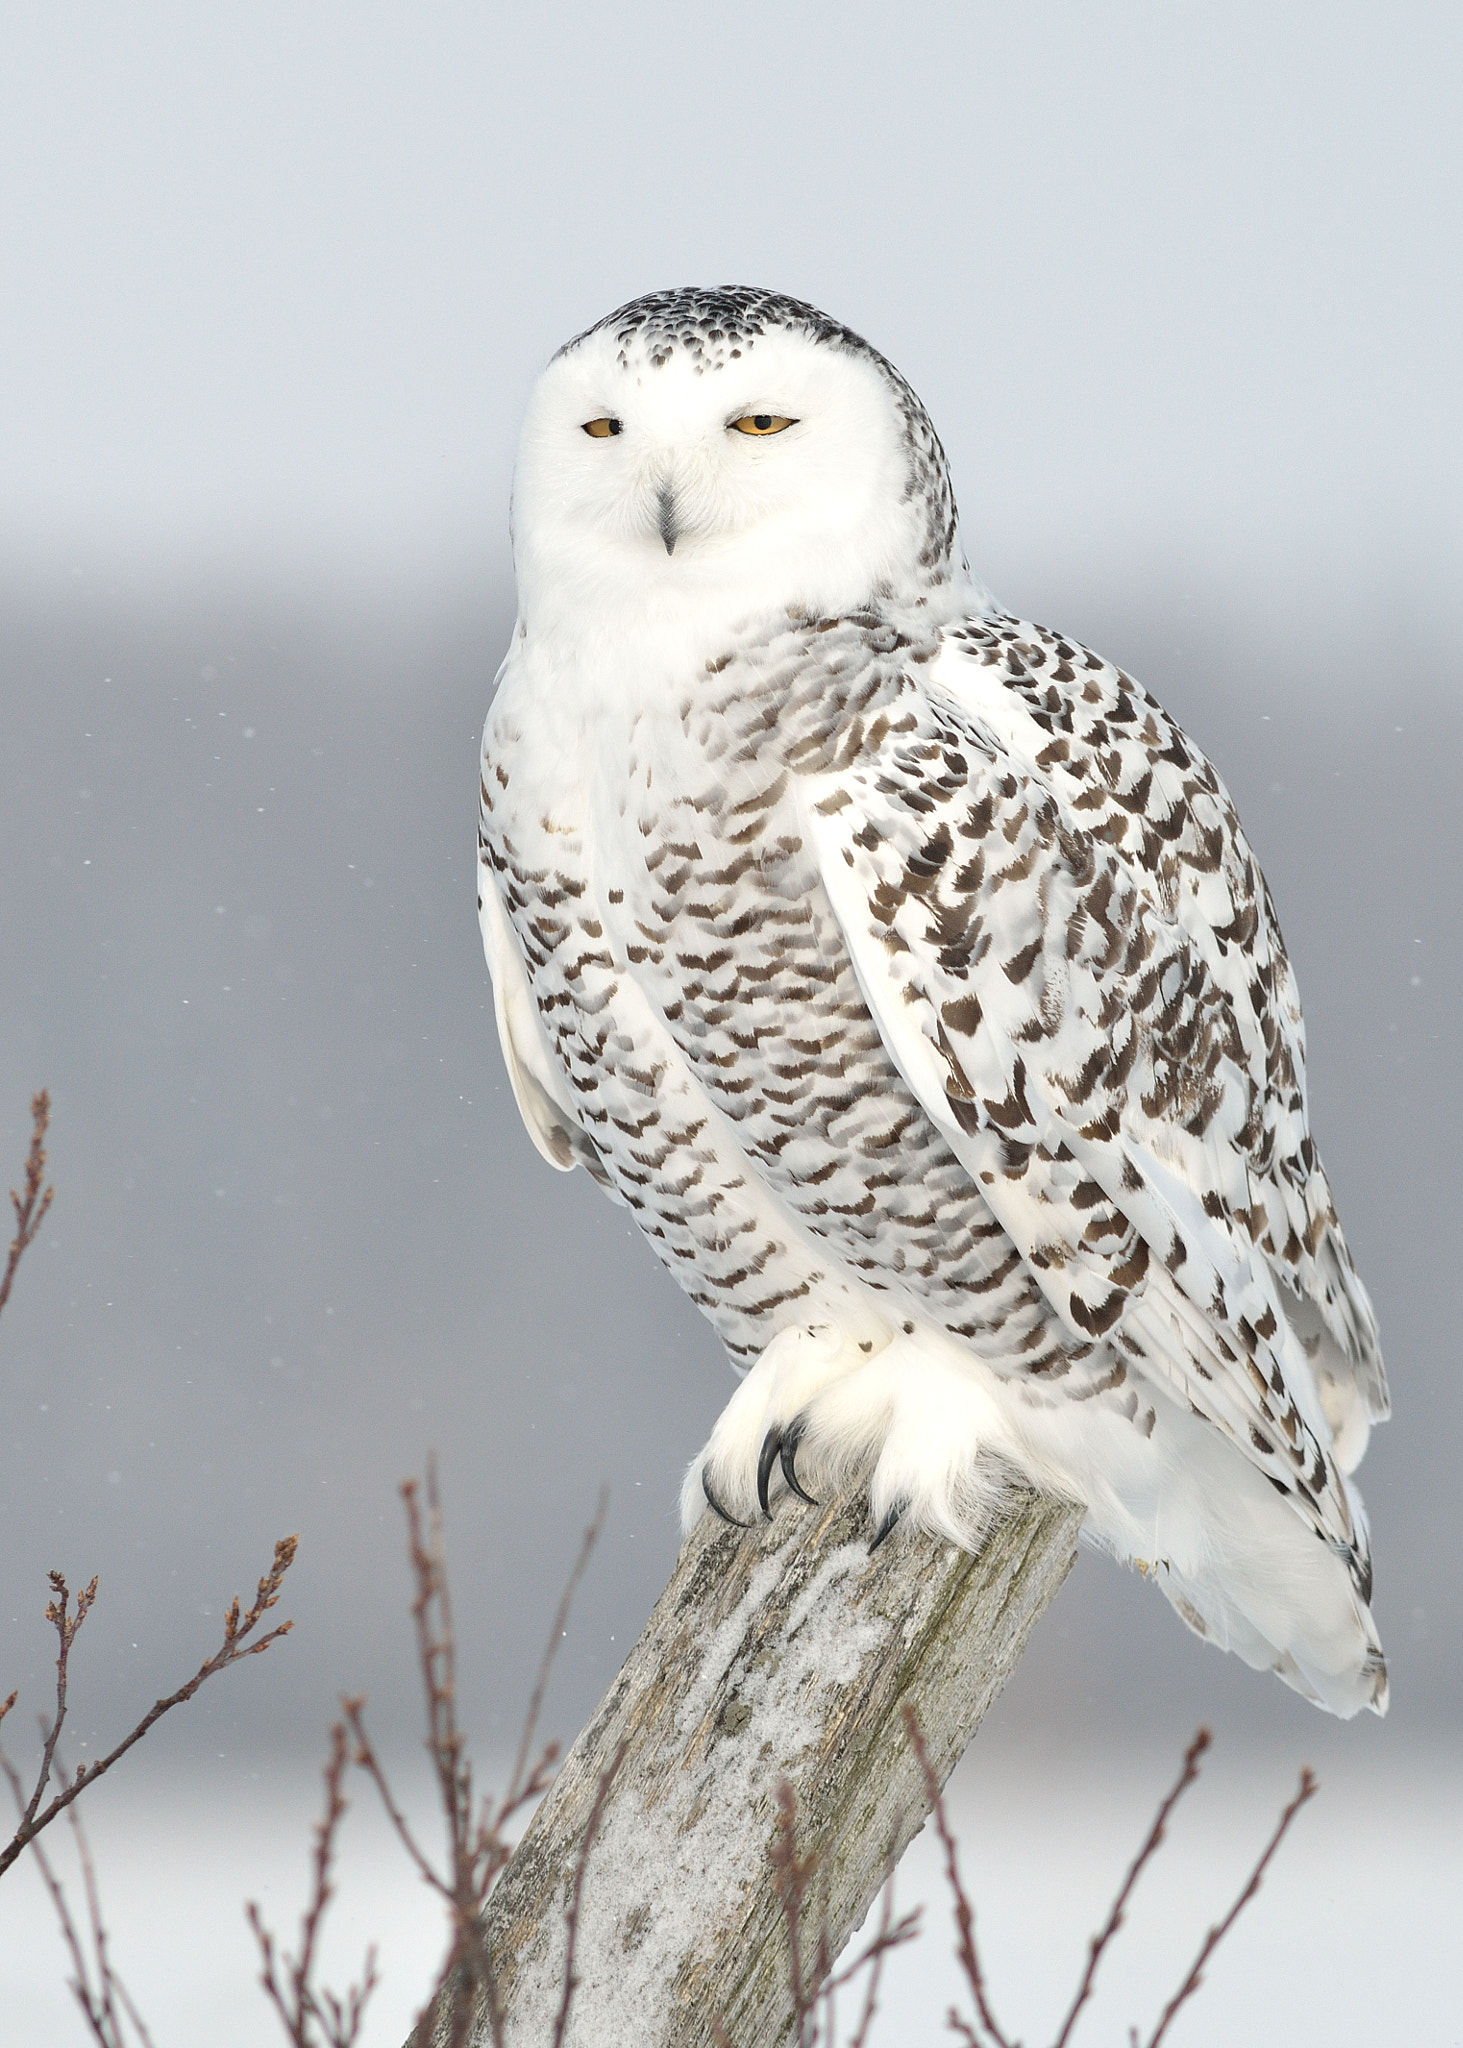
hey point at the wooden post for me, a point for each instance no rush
(781, 1652)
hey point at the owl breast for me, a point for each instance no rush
(696, 989)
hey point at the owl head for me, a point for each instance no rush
(729, 454)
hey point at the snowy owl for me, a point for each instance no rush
(905, 971)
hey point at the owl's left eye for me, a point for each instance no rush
(602, 429)
(762, 423)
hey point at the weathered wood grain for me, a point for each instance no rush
(783, 1651)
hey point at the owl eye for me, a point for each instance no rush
(762, 423)
(602, 429)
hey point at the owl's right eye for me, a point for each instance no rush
(602, 429)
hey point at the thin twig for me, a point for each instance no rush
(1185, 1779)
(66, 1625)
(106, 1982)
(326, 1829)
(96, 2002)
(790, 1875)
(592, 1534)
(118, 1986)
(571, 1918)
(1307, 1789)
(30, 1208)
(477, 1855)
(234, 1648)
(477, 1845)
(290, 1989)
(80, 1985)
(891, 1934)
(964, 1915)
(367, 1760)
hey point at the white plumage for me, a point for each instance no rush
(905, 970)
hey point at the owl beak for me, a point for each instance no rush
(669, 530)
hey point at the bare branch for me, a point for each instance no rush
(477, 1854)
(1306, 1790)
(80, 1983)
(290, 1989)
(518, 1783)
(965, 1947)
(66, 1625)
(235, 1646)
(596, 1814)
(1186, 1777)
(367, 1760)
(477, 1845)
(326, 1829)
(790, 1875)
(30, 1208)
(98, 2001)
(891, 1934)
(107, 1981)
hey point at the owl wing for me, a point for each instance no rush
(539, 1085)
(1069, 1038)
(1132, 778)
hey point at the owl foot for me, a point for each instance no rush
(909, 1422)
(715, 1505)
(781, 1444)
(886, 1527)
(762, 1427)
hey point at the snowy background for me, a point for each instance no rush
(1180, 287)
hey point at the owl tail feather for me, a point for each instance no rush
(1235, 1559)
(1343, 1672)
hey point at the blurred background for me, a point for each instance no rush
(1181, 290)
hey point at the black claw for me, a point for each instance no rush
(886, 1527)
(792, 1436)
(715, 1505)
(771, 1445)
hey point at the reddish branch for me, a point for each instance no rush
(30, 1208)
(235, 1647)
(965, 1947)
(965, 1918)
(1307, 1789)
(551, 1650)
(1186, 1777)
(301, 2007)
(792, 1877)
(596, 1815)
(477, 1844)
(66, 1623)
(890, 1934)
(100, 2001)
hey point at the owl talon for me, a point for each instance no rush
(792, 1436)
(771, 1445)
(886, 1527)
(715, 1505)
